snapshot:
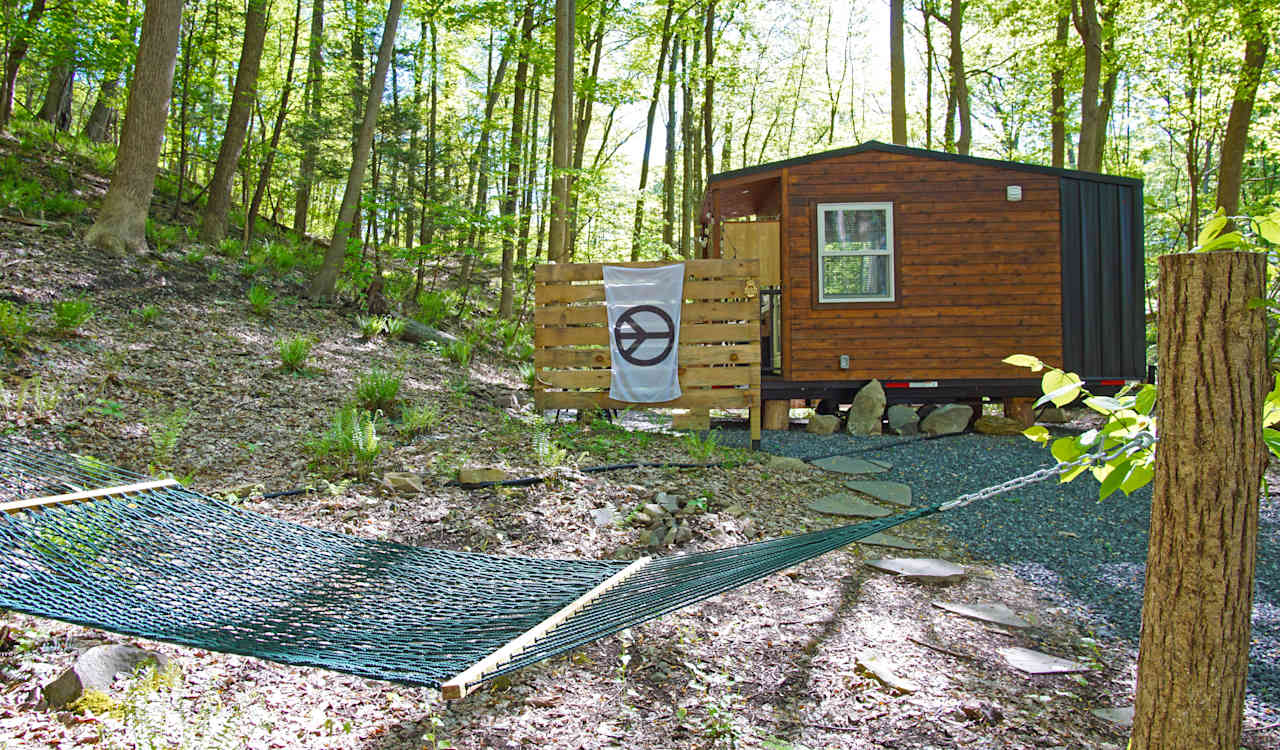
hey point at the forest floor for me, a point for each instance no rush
(771, 665)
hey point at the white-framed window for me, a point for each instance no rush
(855, 252)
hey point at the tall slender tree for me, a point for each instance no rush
(311, 128)
(562, 135)
(897, 74)
(282, 111)
(213, 224)
(326, 279)
(1257, 35)
(663, 44)
(121, 226)
(13, 60)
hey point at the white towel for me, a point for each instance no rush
(644, 331)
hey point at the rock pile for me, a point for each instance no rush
(666, 521)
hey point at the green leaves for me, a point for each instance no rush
(1059, 387)
(1211, 237)
(1024, 360)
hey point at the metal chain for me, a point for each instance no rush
(1141, 442)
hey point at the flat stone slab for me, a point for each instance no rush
(890, 492)
(1120, 715)
(851, 465)
(875, 664)
(993, 613)
(922, 569)
(844, 504)
(1034, 662)
(880, 539)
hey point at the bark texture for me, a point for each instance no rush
(17, 53)
(121, 226)
(213, 225)
(1231, 164)
(311, 149)
(97, 128)
(897, 73)
(327, 278)
(561, 112)
(1198, 599)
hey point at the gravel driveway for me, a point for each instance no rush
(1091, 554)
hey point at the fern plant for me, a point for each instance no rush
(370, 325)
(294, 352)
(70, 314)
(260, 299)
(378, 390)
(351, 440)
(15, 324)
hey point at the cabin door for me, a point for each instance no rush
(759, 240)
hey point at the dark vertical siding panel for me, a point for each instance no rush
(1137, 264)
(1132, 354)
(1072, 323)
(1091, 280)
(1111, 321)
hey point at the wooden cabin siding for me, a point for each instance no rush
(976, 277)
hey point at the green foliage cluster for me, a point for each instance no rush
(70, 314)
(420, 418)
(379, 391)
(350, 443)
(294, 351)
(15, 324)
(147, 314)
(260, 299)
(165, 430)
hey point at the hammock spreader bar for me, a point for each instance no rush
(163, 562)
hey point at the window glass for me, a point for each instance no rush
(855, 252)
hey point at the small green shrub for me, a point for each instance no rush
(460, 352)
(393, 327)
(351, 440)
(282, 258)
(15, 324)
(528, 373)
(260, 299)
(230, 247)
(58, 205)
(294, 352)
(165, 431)
(431, 308)
(195, 255)
(420, 418)
(70, 314)
(165, 236)
(148, 314)
(370, 325)
(378, 390)
(702, 448)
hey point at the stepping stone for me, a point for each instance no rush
(1034, 662)
(881, 539)
(844, 504)
(880, 669)
(921, 569)
(1120, 715)
(890, 492)
(993, 613)
(851, 465)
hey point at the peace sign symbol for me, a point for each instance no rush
(638, 334)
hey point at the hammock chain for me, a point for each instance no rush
(1141, 441)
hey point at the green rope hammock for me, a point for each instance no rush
(170, 564)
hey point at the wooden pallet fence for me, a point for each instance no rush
(719, 353)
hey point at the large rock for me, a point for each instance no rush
(844, 504)
(866, 410)
(481, 474)
(992, 612)
(96, 669)
(404, 482)
(785, 463)
(947, 419)
(1053, 415)
(903, 419)
(989, 424)
(822, 424)
(920, 569)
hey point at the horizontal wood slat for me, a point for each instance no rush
(557, 293)
(689, 377)
(699, 398)
(693, 269)
(690, 354)
(689, 334)
(696, 312)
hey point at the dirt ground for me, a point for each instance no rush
(771, 665)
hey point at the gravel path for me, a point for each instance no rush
(1056, 535)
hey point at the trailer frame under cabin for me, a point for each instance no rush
(925, 269)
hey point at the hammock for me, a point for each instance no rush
(152, 559)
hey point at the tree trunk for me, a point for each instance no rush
(562, 110)
(182, 120)
(959, 85)
(708, 88)
(269, 158)
(897, 73)
(100, 118)
(687, 146)
(13, 61)
(56, 109)
(311, 134)
(1085, 17)
(1198, 599)
(1058, 94)
(669, 166)
(1234, 140)
(582, 125)
(327, 278)
(929, 57)
(515, 149)
(213, 225)
(121, 226)
(638, 225)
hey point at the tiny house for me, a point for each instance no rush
(925, 269)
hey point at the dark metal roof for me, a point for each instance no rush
(924, 153)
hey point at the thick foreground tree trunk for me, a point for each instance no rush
(213, 225)
(1198, 599)
(121, 226)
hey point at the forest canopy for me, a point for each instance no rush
(267, 102)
